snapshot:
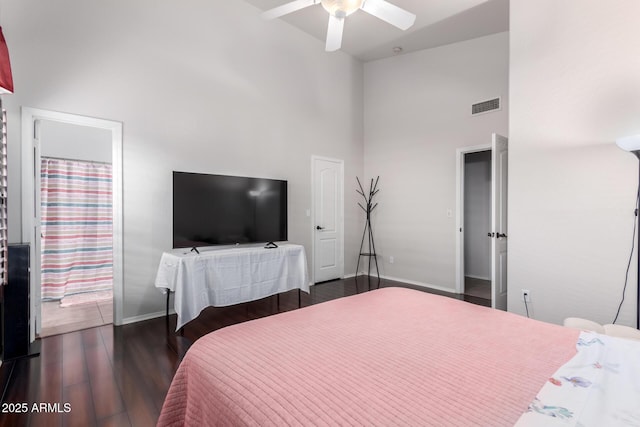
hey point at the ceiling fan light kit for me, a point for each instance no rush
(339, 9)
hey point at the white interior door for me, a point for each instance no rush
(328, 213)
(499, 171)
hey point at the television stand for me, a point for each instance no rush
(234, 276)
(270, 245)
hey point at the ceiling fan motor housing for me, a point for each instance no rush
(341, 8)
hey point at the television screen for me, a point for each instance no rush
(222, 210)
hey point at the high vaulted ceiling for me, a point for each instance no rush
(438, 22)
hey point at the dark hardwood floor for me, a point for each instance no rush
(119, 376)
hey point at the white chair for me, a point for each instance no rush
(618, 331)
(622, 332)
(584, 325)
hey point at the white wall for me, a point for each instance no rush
(70, 141)
(574, 88)
(209, 87)
(417, 113)
(477, 215)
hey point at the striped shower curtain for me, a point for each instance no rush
(76, 219)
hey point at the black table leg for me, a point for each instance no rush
(167, 315)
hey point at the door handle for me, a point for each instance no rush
(500, 235)
(490, 234)
(319, 228)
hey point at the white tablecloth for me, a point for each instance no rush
(225, 277)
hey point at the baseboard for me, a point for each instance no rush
(476, 277)
(143, 317)
(348, 276)
(416, 283)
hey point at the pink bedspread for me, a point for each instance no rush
(387, 357)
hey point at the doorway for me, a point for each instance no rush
(328, 218)
(487, 165)
(476, 224)
(70, 164)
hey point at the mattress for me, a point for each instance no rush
(388, 357)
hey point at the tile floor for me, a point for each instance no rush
(59, 320)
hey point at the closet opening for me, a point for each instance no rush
(481, 222)
(477, 225)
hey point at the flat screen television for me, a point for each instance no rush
(223, 210)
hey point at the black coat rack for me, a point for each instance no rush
(368, 208)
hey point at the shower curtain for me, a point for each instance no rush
(76, 220)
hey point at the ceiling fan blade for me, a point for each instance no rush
(390, 13)
(334, 33)
(287, 8)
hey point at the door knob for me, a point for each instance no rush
(319, 228)
(500, 235)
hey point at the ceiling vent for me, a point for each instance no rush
(485, 106)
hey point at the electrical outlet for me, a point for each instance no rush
(391, 260)
(526, 295)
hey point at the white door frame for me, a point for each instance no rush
(30, 211)
(313, 216)
(460, 152)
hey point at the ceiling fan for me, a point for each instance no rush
(340, 9)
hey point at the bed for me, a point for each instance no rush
(388, 357)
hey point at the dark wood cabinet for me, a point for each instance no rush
(16, 303)
(14, 277)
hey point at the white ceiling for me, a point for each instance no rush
(438, 22)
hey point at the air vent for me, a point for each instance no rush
(485, 106)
